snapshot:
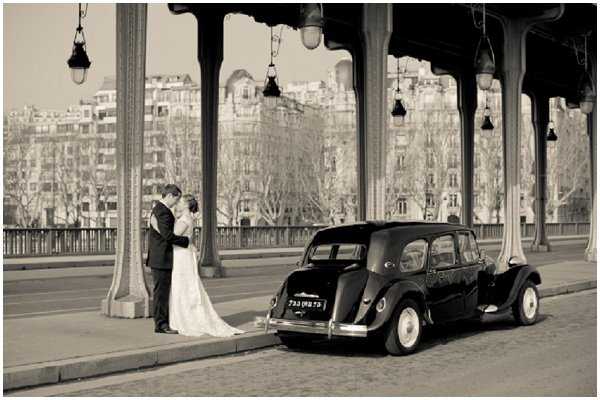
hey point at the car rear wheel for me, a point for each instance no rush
(404, 330)
(527, 306)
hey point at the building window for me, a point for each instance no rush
(453, 181)
(111, 206)
(453, 200)
(431, 180)
(429, 201)
(402, 206)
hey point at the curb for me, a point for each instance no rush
(568, 288)
(92, 366)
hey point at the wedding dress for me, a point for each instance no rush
(190, 309)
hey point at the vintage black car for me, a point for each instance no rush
(389, 279)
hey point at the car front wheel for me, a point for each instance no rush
(404, 331)
(527, 306)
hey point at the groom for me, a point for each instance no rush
(160, 255)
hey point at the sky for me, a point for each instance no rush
(38, 40)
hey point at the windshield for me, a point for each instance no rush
(338, 251)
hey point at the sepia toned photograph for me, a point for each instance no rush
(299, 199)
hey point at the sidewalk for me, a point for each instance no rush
(103, 264)
(87, 344)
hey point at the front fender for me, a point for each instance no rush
(508, 284)
(393, 295)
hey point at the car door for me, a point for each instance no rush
(468, 256)
(444, 280)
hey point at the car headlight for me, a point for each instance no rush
(381, 305)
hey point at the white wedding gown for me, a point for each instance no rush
(190, 309)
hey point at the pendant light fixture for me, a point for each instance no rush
(79, 63)
(551, 136)
(271, 92)
(398, 112)
(487, 120)
(485, 62)
(311, 25)
(587, 91)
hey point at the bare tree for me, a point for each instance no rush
(18, 177)
(424, 173)
(568, 169)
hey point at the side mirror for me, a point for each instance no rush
(298, 263)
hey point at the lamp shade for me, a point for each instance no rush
(485, 64)
(487, 124)
(311, 36)
(271, 92)
(311, 25)
(398, 113)
(79, 63)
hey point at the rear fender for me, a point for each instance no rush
(508, 284)
(393, 295)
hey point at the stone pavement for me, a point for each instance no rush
(49, 349)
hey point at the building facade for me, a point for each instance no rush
(294, 163)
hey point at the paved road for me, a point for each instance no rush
(556, 357)
(33, 297)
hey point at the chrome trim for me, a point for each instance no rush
(329, 328)
(267, 321)
(309, 295)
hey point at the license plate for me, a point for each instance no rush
(307, 304)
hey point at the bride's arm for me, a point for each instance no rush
(180, 227)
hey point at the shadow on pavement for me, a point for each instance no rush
(433, 336)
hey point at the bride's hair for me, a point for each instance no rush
(191, 202)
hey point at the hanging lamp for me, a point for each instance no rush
(79, 63)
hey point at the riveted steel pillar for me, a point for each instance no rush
(361, 132)
(128, 296)
(467, 106)
(540, 109)
(513, 71)
(376, 29)
(210, 57)
(591, 250)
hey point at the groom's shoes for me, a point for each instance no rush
(166, 329)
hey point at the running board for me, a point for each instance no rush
(487, 308)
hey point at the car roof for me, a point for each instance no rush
(361, 231)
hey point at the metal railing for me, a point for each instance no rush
(96, 241)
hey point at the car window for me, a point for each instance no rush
(442, 252)
(334, 251)
(467, 248)
(413, 256)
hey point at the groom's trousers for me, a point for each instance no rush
(162, 290)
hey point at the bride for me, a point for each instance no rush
(190, 310)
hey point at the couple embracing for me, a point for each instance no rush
(181, 304)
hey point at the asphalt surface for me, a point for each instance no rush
(555, 357)
(32, 296)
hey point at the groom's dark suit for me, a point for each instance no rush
(160, 260)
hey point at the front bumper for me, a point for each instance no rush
(329, 328)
